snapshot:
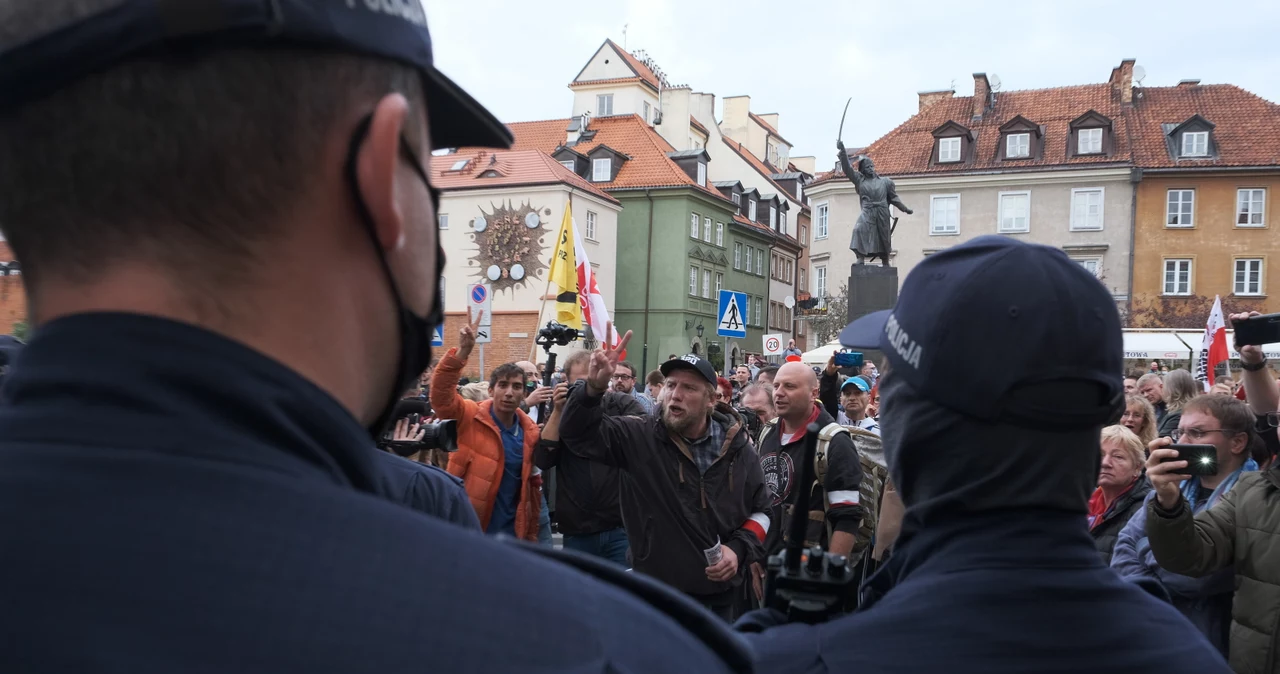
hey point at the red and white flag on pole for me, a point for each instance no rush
(594, 312)
(1213, 348)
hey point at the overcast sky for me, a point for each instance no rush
(803, 60)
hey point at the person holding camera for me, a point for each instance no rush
(994, 569)
(1240, 531)
(496, 440)
(1205, 600)
(694, 500)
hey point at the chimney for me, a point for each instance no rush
(1122, 81)
(1187, 84)
(577, 127)
(928, 98)
(981, 95)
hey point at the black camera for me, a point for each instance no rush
(558, 334)
(440, 435)
(751, 420)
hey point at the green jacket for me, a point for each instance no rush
(1243, 528)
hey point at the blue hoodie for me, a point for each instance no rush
(1206, 601)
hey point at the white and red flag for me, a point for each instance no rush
(594, 311)
(1213, 348)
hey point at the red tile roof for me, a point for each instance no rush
(742, 220)
(767, 127)
(649, 165)
(907, 149)
(614, 80)
(640, 69)
(514, 168)
(1246, 127)
(765, 170)
(698, 125)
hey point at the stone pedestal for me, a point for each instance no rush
(872, 288)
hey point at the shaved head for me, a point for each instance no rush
(804, 372)
(795, 388)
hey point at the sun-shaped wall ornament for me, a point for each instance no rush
(509, 246)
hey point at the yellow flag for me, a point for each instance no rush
(564, 273)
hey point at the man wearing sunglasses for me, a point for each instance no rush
(1241, 530)
(229, 248)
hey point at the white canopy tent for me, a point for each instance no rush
(1195, 339)
(822, 354)
(1149, 345)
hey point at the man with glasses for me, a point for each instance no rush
(1235, 532)
(624, 382)
(1206, 601)
(587, 506)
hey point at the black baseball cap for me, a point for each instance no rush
(390, 29)
(690, 362)
(1023, 314)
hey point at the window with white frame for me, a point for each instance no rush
(444, 220)
(944, 214)
(591, 225)
(1017, 145)
(750, 256)
(1195, 144)
(824, 213)
(601, 169)
(569, 164)
(1177, 277)
(1015, 211)
(1250, 207)
(1180, 208)
(702, 174)
(1089, 141)
(759, 311)
(604, 105)
(737, 198)
(1086, 208)
(948, 149)
(693, 225)
(804, 236)
(751, 210)
(760, 261)
(803, 278)
(1093, 265)
(799, 192)
(737, 256)
(820, 282)
(773, 217)
(706, 230)
(720, 234)
(1248, 276)
(719, 283)
(706, 283)
(693, 281)
(646, 111)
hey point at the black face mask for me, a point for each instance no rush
(415, 331)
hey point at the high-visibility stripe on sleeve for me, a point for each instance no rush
(844, 497)
(757, 524)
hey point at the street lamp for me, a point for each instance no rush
(699, 330)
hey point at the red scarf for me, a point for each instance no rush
(1098, 505)
(800, 431)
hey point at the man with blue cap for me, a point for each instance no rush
(994, 570)
(229, 244)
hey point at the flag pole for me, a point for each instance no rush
(533, 347)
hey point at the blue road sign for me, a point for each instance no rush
(478, 294)
(437, 337)
(732, 321)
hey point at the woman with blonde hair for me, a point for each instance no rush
(1121, 487)
(1139, 417)
(1179, 388)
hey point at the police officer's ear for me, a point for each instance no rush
(378, 167)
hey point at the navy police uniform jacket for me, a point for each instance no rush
(172, 501)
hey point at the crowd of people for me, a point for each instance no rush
(202, 467)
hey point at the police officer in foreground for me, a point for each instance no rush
(994, 570)
(230, 252)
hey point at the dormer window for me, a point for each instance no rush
(751, 210)
(948, 150)
(459, 165)
(1091, 134)
(737, 199)
(568, 164)
(773, 217)
(601, 169)
(1017, 145)
(1089, 141)
(702, 174)
(1195, 143)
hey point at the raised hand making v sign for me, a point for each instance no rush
(467, 336)
(605, 360)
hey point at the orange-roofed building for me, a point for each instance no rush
(500, 211)
(1206, 221)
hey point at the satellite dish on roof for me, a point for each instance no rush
(1139, 74)
(789, 302)
(995, 82)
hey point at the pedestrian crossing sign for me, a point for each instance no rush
(731, 321)
(437, 337)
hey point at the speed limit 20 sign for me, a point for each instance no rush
(773, 345)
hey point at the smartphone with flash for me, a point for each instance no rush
(1201, 460)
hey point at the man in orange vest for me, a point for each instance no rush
(495, 442)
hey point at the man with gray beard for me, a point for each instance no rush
(694, 500)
